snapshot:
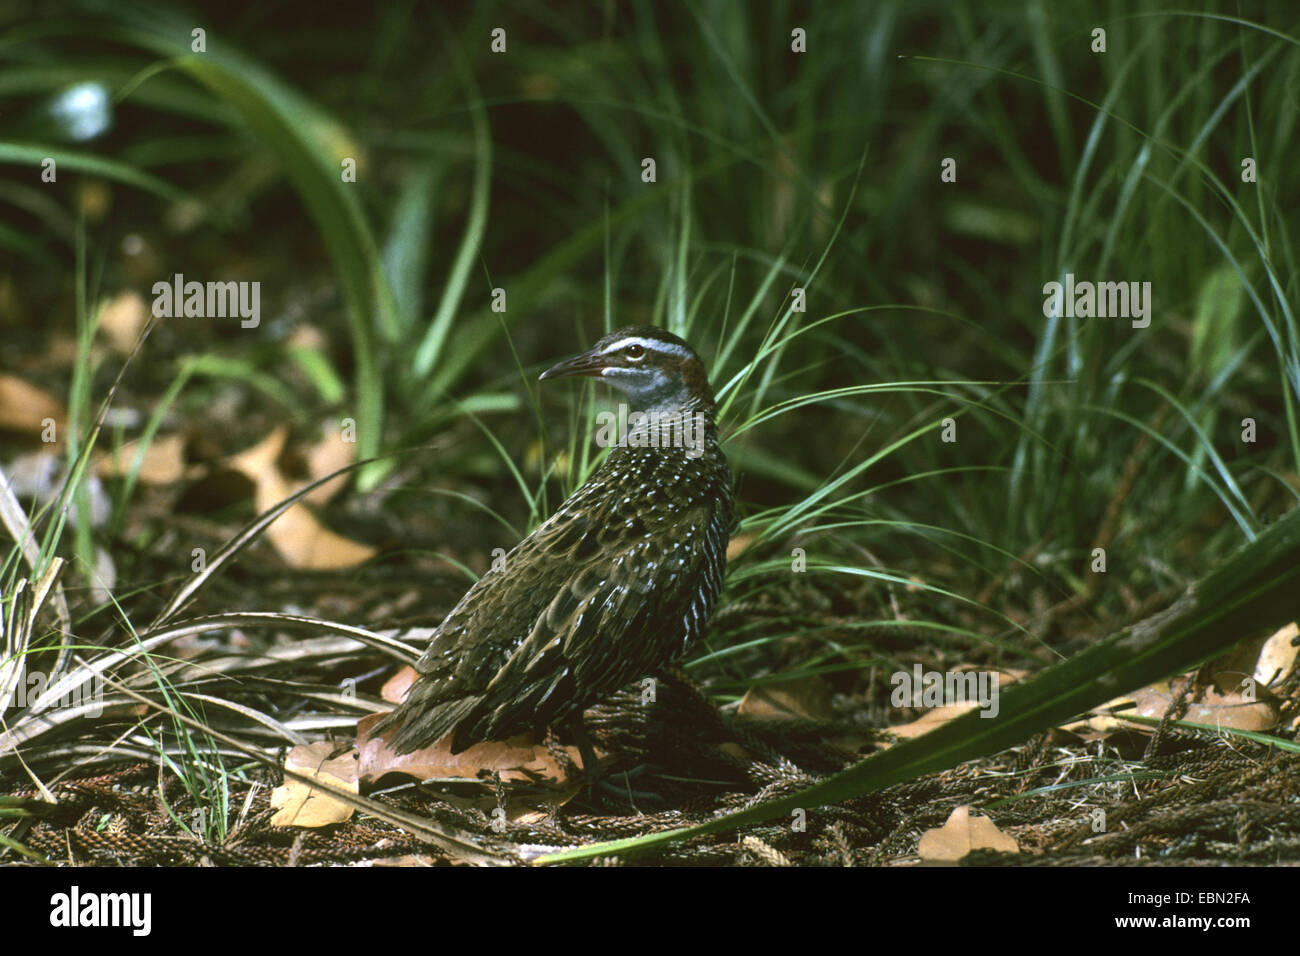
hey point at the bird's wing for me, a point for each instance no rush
(601, 626)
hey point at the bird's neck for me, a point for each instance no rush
(689, 427)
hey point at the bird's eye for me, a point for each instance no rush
(634, 352)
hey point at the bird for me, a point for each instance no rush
(614, 586)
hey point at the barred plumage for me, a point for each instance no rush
(617, 583)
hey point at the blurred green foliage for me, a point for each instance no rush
(775, 170)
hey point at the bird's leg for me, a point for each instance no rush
(590, 771)
(555, 748)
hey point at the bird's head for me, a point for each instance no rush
(655, 369)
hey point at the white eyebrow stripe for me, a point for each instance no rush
(651, 344)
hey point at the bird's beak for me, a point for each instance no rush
(588, 363)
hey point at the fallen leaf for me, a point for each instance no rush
(932, 718)
(1277, 658)
(1107, 718)
(297, 534)
(301, 805)
(1235, 712)
(1228, 709)
(122, 318)
(936, 716)
(262, 456)
(328, 455)
(519, 759)
(1266, 657)
(808, 698)
(163, 464)
(962, 834)
(26, 408)
(395, 688)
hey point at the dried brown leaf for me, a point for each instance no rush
(395, 688)
(297, 534)
(961, 834)
(937, 716)
(121, 320)
(519, 759)
(299, 804)
(25, 407)
(808, 698)
(328, 455)
(163, 464)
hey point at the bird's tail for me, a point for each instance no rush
(415, 724)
